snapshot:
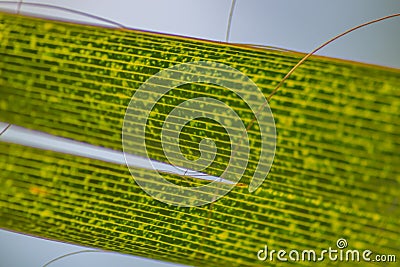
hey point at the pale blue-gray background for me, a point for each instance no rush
(292, 24)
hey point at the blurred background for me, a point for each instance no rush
(290, 24)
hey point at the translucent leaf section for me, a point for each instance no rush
(336, 172)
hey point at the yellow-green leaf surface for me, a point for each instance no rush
(336, 172)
